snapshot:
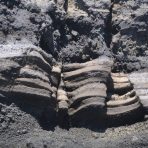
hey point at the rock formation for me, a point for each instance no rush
(72, 63)
(123, 103)
(139, 80)
(85, 84)
(26, 75)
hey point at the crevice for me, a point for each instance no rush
(81, 5)
(109, 27)
(46, 42)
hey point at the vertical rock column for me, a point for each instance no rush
(61, 95)
(63, 105)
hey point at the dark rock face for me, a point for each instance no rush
(85, 34)
(130, 34)
(63, 62)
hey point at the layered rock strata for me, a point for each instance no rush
(140, 83)
(78, 93)
(76, 32)
(27, 77)
(86, 88)
(123, 105)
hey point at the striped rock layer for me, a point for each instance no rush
(123, 105)
(27, 76)
(76, 93)
(86, 88)
(140, 83)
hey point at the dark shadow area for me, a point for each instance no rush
(63, 119)
(109, 28)
(125, 120)
(46, 41)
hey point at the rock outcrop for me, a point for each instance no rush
(123, 105)
(26, 76)
(85, 35)
(130, 34)
(71, 63)
(139, 81)
(86, 88)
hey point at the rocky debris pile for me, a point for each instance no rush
(85, 35)
(140, 82)
(15, 122)
(99, 10)
(23, 21)
(101, 14)
(85, 84)
(123, 105)
(130, 34)
(26, 75)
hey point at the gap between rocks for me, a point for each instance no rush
(109, 28)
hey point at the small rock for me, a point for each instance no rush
(19, 114)
(74, 33)
(3, 111)
(95, 135)
(69, 37)
(134, 138)
(1, 120)
(9, 116)
(4, 125)
(24, 131)
(146, 117)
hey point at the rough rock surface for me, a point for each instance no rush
(85, 84)
(139, 80)
(130, 34)
(26, 76)
(50, 74)
(123, 104)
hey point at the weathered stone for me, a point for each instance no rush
(124, 104)
(140, 82)
(25, 76)
(130, 34)
(85, 84)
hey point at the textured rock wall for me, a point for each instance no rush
(130, 34)
(72, 63)
(47, 50)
